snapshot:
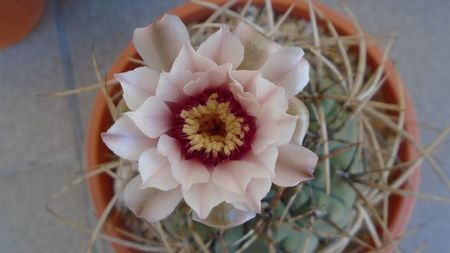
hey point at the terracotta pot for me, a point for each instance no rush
(393, 89)
(17, 19)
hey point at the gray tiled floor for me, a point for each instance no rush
(38, 151)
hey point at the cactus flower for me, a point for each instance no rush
(214, 126)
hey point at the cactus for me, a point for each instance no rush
(305, 218)
(324, 214)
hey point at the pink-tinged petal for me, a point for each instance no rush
(225, 216)
(137, 85)
(295, 164)
(150, 203)
(248, 103)
(257, 47)
(287, 68)
(160, 42)
(266, 135)
(263, 90)
(126, 140)
(244, 89)
(211, 79)
(189, 172)
(170, 87)
(169, 147)
(203, 197)
(274, 127)
(247, 100)
(196, 86)
(223, 47)
(189, 59)
(219, 75)
(257, 189)
(162, 180)
(155, 171)
(234, 176)
(267, 158)
(152, 117)
(268, 93)
(149, 163)
(299, 109)
(246, 79)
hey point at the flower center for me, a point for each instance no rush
(214, 128)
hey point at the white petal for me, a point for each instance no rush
(160, 42)
(162, 180)
(149, 163)
(196, 86)
(190, 172)
(155, 171)
(295, 164)
(264, 91)
(266, 135)
(268, 93)
(299, 109)
(267, 158)
(257, 189)
(213, 78)
(256, 92)
(126, 140)
(287, 68)
(223, 47)
(170, 87)
(137, 85)
(190, 60)
(169, 147)
(257, 47)
(225, 216)
(203, 197)
(235, 176)
(274, 126)
(246, 99)
(248, 103)
(152, 117)
(150, 203)
(219, 75)
(247, 79)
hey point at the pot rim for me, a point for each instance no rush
(101, 187)
(16, 29)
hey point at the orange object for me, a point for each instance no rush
(393, 90)
(17, 19)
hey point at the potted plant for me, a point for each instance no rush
(359, 115)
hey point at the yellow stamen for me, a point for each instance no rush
(213, 128)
